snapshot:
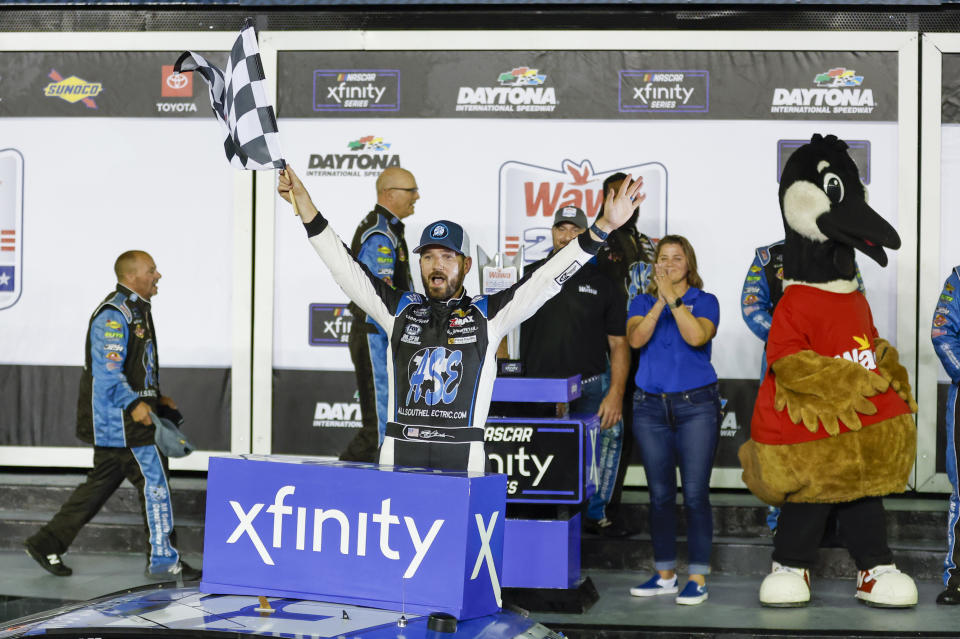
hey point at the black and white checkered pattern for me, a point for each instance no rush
(239, 101)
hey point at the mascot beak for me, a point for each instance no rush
(854, 223)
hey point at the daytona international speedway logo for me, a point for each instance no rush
(836, 91)
(530, 195)
(520, 89)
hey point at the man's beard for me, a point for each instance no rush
(445, 291)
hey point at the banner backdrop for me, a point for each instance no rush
(102, 152)
(499, 140)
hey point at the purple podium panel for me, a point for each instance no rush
(536, 389)
(547, 461)
(541, 553)
(419, 540)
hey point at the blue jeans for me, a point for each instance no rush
(679, 429)
(609, 443)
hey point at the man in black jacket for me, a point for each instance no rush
(119, 388)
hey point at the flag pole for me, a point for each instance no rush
(293, 198)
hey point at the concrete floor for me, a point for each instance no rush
(732, 604)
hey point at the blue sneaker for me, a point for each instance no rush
(655, 586)
(693, 593)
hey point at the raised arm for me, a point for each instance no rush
(377, 298)
(512, 306)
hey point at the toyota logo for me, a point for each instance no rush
(177, 81)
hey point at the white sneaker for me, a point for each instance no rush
(886, 587)
(785, 587)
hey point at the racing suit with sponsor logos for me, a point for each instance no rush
(379, 244)
(442, 354)
(120, 371)
(762, 289)
(945, 333)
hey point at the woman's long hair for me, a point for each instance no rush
(693, 277)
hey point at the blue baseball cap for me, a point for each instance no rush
(446, 234)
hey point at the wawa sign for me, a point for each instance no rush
(409, 539)
(530, 195)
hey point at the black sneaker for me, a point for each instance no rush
(52, 563)
(182, 568)
(949, 597)
(604, 527)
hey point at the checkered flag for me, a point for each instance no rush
(239, 101)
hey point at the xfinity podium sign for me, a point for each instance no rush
(385, 537)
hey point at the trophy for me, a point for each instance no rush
(497, 273)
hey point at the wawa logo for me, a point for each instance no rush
(861, 354)
(530, 196)
(353, 532)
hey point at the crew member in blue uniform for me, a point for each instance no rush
(945, 334)
(378, 244)
(119, 389)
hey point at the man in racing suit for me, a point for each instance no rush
(378, 243)
(762, 289)
(119, 388)
(945, 334)
(442, 346)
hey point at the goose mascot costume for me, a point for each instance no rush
(831, 429)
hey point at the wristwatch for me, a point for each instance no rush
(677, 303)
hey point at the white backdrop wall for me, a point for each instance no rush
(133, 165)
(712, 177)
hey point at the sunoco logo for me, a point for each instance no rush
(650, 91)
(365, 156)
(837, 91)
(72, 89)
(520, 90)
(356, 90)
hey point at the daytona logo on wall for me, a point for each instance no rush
(655, 91)
(835, 91)
(356, 90)
(530, 195)
(517, 90)
(364, 156)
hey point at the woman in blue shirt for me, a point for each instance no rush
(676, 413)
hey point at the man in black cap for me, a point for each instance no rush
(442, 346)
(582, 332)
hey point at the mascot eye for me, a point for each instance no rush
(833, 187)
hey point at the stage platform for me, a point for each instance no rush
(731, 611)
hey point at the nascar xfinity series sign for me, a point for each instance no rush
(546, 460)
(388, 537)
